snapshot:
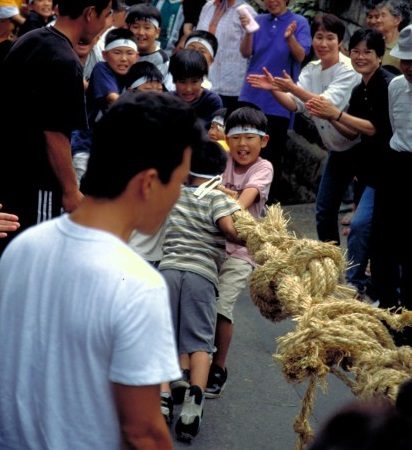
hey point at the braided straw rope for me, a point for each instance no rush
(304, 279)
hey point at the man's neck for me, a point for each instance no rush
(106, 215)
(69, 28)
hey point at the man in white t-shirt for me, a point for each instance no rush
(86, 335)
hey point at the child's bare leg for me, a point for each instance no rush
(223, 338)
(184, 361)
(199, 369)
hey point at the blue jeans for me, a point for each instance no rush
(359, 240)
(339, 172)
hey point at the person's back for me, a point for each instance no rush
(83, 286)
(193, 249)
(76, 329)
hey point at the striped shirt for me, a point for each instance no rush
(193, 241)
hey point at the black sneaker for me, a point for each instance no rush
(188, 424)
(166, 406)
(179, 387)
(216, 382)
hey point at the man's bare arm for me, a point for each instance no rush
(60, 158)
(142, 425)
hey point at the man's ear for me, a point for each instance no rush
(158, 33)
(104, 54)
(144, 184)
(265, 140)
(88, 13)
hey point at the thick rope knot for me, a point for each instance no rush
(334, 333)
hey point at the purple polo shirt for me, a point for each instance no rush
(271, 50)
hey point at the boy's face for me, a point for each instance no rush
(203, 50)
(43, 7)
(216, 132)
(189, 89)
(406, 69)
(120, 59)
(6, 26)
(150, 86)
(146, 34)
(245, 148)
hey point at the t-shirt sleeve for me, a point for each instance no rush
(144, 350)
(302, 34)
(339, 90)
(103, 82)
(261, 178)
(223, 206)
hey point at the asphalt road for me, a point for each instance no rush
(258, 407)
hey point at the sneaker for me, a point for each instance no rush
(216, 382)
(188, 424)
(166, 406)
(179, 387)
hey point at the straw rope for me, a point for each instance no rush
(304, 279)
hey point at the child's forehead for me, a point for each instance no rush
(249, 130)
(147, 21)
(198, 43)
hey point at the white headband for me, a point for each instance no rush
(121, 43)
(219, 120)
(207, 186)
(152, 20)
(202, 41)
(139, 82)
(245, 130)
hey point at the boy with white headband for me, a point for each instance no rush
(144, 21)
(247, 177)
(194, 248)
(108, 78)
(205, 43)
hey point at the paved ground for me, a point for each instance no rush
(258, 407)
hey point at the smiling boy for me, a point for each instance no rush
(144, 21)
(108, 78)
(248, 178)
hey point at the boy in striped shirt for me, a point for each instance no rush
(194, 249)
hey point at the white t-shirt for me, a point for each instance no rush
(78, 310)
(335, 84)
(400, 114)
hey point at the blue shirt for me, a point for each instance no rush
(271, 50)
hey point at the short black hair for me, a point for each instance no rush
(373, 39)
(142, 69)
(247, 116)
(328, 22)
(143, 11)
(187, 63)
(139, 131)
(207, 36)
(119, 33)
(75, 8)
(209, 158)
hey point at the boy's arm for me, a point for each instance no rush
(248, 196)
(141, 422)
(226, 226)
